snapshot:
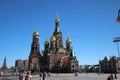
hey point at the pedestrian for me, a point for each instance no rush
(40, 75)
(44, 75)
(0, 76)
(48, 74)
(28, 76)
(76, 74)
(20, 76)
(115, 76)
(110, 77)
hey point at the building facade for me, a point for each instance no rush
(21, 65)
(110, 65)
(54, 58)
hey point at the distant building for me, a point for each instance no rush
(21, 65)
(4, 67)
(89, 68)
(110, 65)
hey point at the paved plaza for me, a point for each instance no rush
(70, 76)
(81, 76)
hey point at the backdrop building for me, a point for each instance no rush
(4, 67)
(21, 65)
(110, 65)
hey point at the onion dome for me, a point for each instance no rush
(118, 18)
(57, 24)
(46, 42)
(52, 39)
(57, 20)
(68, 41)
(36, 34)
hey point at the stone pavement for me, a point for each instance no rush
(81, 76)
(68, 76)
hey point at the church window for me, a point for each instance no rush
(36, 47)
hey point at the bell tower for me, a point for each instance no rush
(34, 57)
(68, 43)
(58, 34)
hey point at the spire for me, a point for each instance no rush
(35, 47)
(68, 35)
(57, 23)
(36, 34)
(56, 15)
(4, 66)
(68, 41)
(36, 27)
(46, 42)
(46, 38)
(46, 45)
(4, 63)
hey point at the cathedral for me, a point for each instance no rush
(55, 57)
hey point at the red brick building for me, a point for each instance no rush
(55, 57)
(110, 65)
(21, 65)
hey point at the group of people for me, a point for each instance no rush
(1, 74)
(26, 77)
(110, 77)
(43, 75)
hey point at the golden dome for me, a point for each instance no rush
(57, 20)
(46, 42)
(68, 41)
(35, 34)
(118, 19)
(52, 39)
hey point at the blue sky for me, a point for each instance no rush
(91, 23)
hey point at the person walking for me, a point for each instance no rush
(0, 75)
(44, 75)
(115, 75)
(40, 75)
(20, 76)
(28, 76)
(76, 74)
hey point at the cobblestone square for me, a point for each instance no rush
(81, 76)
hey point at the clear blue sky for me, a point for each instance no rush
(91, 24)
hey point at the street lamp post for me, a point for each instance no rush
(118, 17)
(116, 40)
